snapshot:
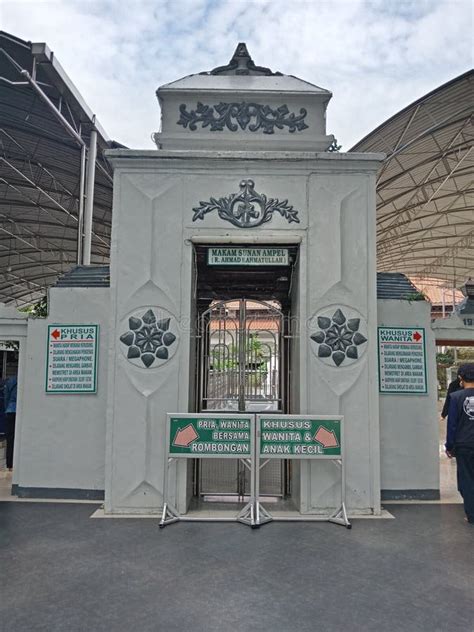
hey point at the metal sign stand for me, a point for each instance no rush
(340, 515)
(249, 515)
(254, 514)
(170, 513)
(263, 515)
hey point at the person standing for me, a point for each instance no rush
(460, 436)
(10, 391)
(2, 407)
(454, 386)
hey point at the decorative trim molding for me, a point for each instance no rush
(410, 494)
(57, 493)
(246, 209)
(244, 115)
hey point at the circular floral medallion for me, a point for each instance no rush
(340, 336)
(149, 340)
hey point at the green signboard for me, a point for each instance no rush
(210, 436)
(248, 256)
(71, 365)
(299, 436)
(402, 360)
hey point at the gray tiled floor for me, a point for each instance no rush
(61, 571)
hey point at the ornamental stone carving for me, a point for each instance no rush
(242, 64)
(251, 116)
(149, 340)
(340, 337)
(246, 209)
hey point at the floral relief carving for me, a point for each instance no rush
(339, 338)
(149, 340)
(246, 209)
(251, 116)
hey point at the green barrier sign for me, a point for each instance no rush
(299, 437)
(208, 436)
(193, 435)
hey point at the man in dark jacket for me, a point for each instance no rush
(10, 391)
(460, 437)
(454, 386)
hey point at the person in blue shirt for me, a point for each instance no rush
(460, 437)
(10, 391)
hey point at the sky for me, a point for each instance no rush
(375, 56)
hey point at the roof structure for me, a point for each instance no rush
(40, 172)
(392, 286)
(425, 202)
(436, 294)
(242, 65)
(85, 276)
(396, 287)
(425, 207)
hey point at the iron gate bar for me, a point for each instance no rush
(230, 367)
(237, 373)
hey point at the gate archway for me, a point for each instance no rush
(242, 368)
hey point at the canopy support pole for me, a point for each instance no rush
(89, 205)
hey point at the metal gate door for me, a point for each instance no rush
(241, 368)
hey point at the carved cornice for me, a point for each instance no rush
(244, 115)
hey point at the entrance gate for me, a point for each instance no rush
(242, 359)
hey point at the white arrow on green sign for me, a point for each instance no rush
(299, 437)
(195, 436)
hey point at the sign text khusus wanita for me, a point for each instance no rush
(293, 437)
(402, 360)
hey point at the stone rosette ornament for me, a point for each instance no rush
(341, 336)
(149, 340)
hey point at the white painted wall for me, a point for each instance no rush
(340, 273)
(155, 193)
(60, 443)
(456, 326)
(151, 267)
(409, 423)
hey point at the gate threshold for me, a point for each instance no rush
(296, 517)
(281, 511)
(218, 517)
